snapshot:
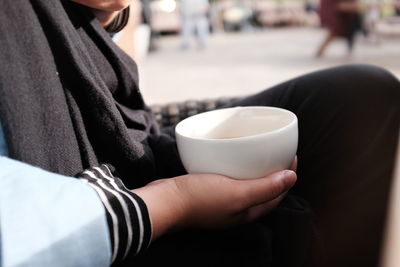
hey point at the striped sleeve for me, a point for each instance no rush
(127, 215)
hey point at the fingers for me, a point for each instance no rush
(156, 182)
(294, 164)
(258, 191)
(255, 212)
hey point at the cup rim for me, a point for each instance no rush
(273, 132)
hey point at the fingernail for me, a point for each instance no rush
(289, 175)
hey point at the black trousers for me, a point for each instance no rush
(349, 119)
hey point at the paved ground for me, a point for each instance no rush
(243, 63)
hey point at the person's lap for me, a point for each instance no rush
(283, 238)
(348, 125)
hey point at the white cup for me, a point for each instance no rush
(239, 142)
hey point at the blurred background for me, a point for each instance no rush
(200, 49)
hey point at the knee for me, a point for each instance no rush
(374, 74)
(361, 84)
(373, 81)
(358, 89)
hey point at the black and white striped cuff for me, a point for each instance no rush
(127, 215)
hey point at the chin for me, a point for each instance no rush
(105, 5)
(118, 5)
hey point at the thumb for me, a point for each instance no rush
(264, 189)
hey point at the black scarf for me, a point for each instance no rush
(69, 97)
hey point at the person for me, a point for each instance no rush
(72, 107)
(194, 20)
(147, 18)
(342, 19)
(396, 6)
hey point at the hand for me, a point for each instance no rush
(105, 10)
(212, 201)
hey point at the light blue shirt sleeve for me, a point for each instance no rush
(48, 219)
(3, 147)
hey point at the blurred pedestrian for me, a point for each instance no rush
(147, 18)
(342, 19)
(372, 15)
(195, 21)
(397, 7)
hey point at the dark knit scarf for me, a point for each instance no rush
(69, 97)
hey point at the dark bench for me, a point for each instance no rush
(172, 113)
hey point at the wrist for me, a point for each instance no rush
(127, 214)
(166, 208)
